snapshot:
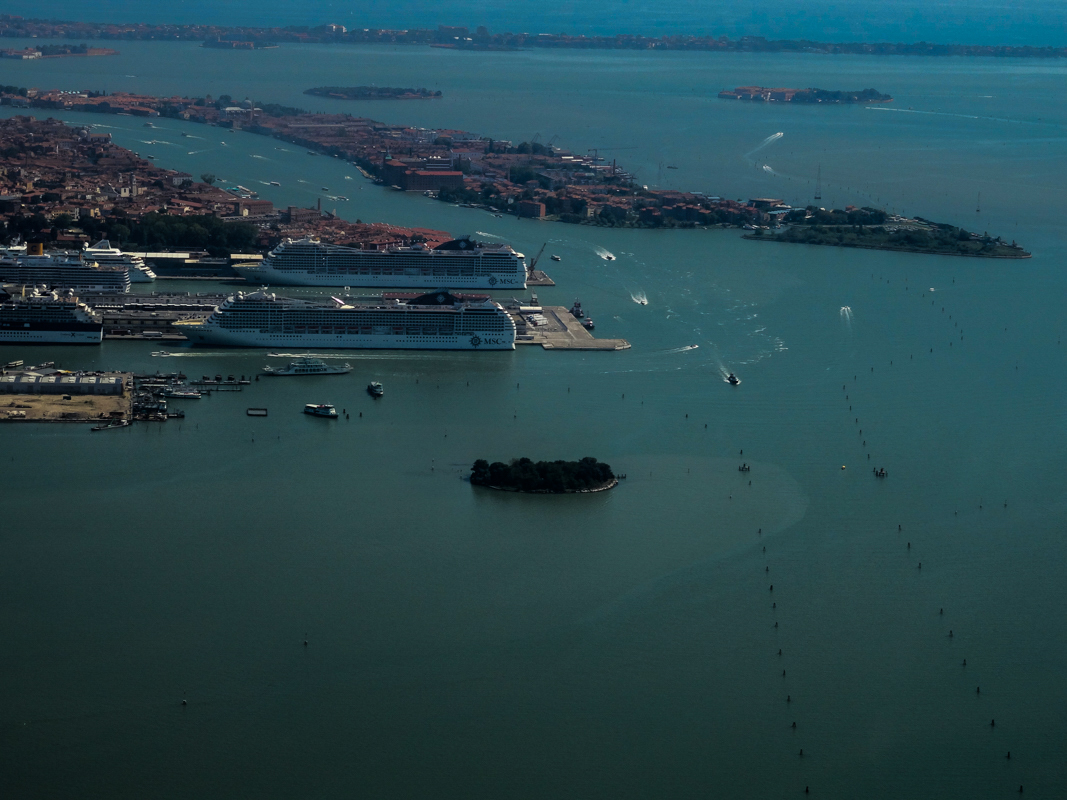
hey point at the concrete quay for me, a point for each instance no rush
(560, 330)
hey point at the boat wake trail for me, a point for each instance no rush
(640, 298)
(261, 158)
(487, 235)
(607, 255)
(685, 349)
(846, 317)
(769, 140)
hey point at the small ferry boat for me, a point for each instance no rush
(181, 393)
(325, 188)
(275, 183)
(555, 257)
(375, 389)
(320, 410)
(308, 366)
(120, 423)
(732, 379)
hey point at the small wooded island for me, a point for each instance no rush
(544, 477)
(763, 94)
(372, 93)
(874, 229)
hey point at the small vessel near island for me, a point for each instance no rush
(181, 393)
(375, 389)
(732, 379)
(321, 410)
(120, 423)
(307, 366)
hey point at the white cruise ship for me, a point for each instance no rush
(436, 321)
(37, 317)
(62, 271)
(107, 256)
(461, 263)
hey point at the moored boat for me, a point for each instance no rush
(375, 389)
(307, 366)
(320, 410)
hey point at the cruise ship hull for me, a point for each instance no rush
(267, 275)
(142, 276)
(50, 336)
(215, 337)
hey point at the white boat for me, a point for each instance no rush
(320, 410)
(181, 393)
(308, 366)
(375, 389)
(107, 256)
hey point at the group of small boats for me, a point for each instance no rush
(307, 365)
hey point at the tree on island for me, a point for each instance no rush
(554, 477)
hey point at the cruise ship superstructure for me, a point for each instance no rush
(38, 317)
(107, 256)
(461, 264)
(439, 320)
(61, 271)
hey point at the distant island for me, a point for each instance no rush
(763, 94)
(544, 477)
(873, 229)
(372, 93)
(57, 51)
(238, 44)
(480, 38)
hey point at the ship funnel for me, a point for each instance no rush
(35, 249)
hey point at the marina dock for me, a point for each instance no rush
(555, 328)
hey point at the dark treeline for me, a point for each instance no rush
(152, 231)
(555, 477)
(369, 92)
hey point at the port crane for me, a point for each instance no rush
(536, 258)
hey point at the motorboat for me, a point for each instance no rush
(307, 366)
(375, 389)
(321, 410)
(732, 379)
(181, 393)
(555, 258)
(588, 324)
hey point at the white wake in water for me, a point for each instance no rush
(487, 235)
(261, 158)
(685, 349)
(640, 298)
(769, 140)
(607, 255)
(846, 316)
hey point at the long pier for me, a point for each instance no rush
(558, 329)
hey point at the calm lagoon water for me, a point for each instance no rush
(465, 643)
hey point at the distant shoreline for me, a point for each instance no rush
(461, 38)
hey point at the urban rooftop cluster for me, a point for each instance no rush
(529, 179)
(66, 184)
